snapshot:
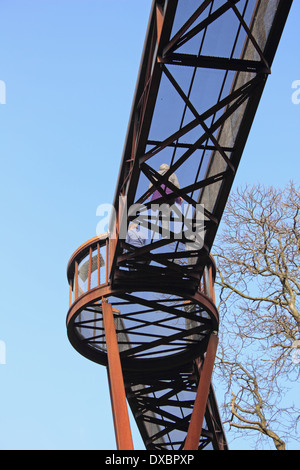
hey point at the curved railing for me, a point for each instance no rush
(88, 267)
(156, 322)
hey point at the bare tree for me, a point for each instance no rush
(254, 404)
(258, 258)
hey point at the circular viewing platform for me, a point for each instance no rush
(160, 324)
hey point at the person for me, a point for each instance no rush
(164, 217)
(134, 236)
(137, 239)
(172, 178)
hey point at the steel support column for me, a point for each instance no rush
(116, 382)
(195, 426)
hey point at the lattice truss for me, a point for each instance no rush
(199, 85)
(163, 406)
(151, 329)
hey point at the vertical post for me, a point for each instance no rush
(70, 294)
(76, 280)
(98, 263)
(107, 258)
(204, 282)
(211, 284)
(196, 423)
(90, 268)
(116, 382)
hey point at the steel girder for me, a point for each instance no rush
(202, 74)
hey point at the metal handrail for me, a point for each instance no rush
(84, 267)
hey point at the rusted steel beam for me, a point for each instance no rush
(221, 63)
(116, 383)
(195, 426)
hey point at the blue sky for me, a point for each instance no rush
(70, 69)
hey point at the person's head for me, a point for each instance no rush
(133, 225)
(164, 167)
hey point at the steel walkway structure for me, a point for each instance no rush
(148, 313)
